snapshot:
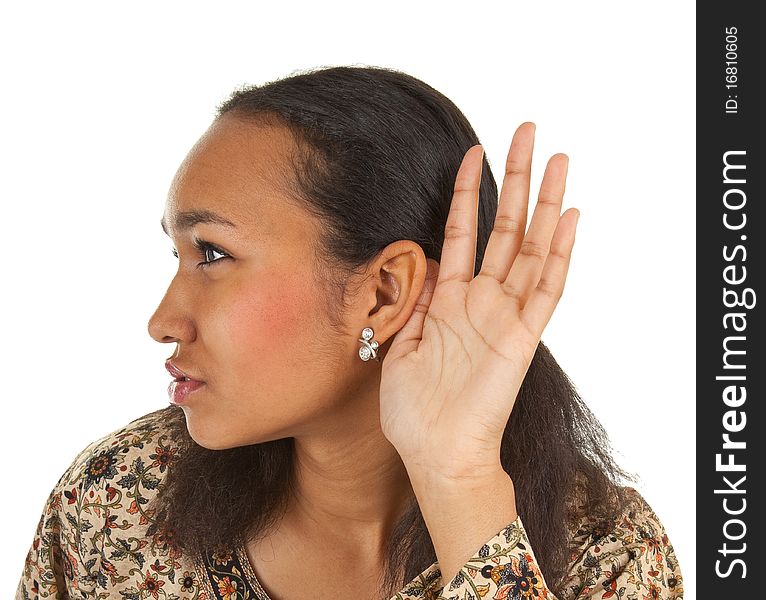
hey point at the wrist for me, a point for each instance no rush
(463, 513)
(451, 477)
(435, 488)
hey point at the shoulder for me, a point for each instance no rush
(109, 487)
(98, 516)
(633, 515)
(633, 554)
(117, 458)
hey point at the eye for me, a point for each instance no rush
(204, 248)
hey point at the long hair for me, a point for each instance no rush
(377, 152)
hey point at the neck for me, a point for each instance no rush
(350, 483)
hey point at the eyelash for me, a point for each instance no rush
(202, 247)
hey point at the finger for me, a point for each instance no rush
(533, 252)
(459, 250)
(511, 217)
(408, 337)
(546, 295)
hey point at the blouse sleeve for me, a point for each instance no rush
(504, 567)
(635, 560)
(53, 566)
(46, 562)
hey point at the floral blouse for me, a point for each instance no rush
(93, 541)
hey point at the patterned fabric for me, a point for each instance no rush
(95, 540)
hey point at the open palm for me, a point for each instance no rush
(452, 373)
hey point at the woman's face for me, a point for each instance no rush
(250, 324)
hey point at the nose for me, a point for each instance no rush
(171, 321)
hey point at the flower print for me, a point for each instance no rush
(157, 567)
(654, 592)
(520, 580)
(110, 521)
(676, 584)
(55, 502)
(610, 587)
(635, 558)
(151, 584)
(226, 589)
(70, 565)
(188, 581)
(652, 546)
(163, 457)
(222, 556)
(164, 538)
(101, 466)
(108, 567)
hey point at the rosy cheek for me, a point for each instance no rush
(271, 323)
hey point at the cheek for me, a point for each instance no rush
(270, 329)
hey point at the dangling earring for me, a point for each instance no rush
(369, 349)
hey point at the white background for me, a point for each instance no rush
(101, 102)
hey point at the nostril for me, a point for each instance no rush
(165, 326)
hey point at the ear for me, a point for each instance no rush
(395, 281)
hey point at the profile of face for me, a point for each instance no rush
(246, 308)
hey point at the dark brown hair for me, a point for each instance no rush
(376, 155)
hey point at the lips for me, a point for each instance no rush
(177, 373)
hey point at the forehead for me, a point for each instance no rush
(240, 171)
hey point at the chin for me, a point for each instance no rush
(212, 436)
(206, 434)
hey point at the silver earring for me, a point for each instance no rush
(370, 348)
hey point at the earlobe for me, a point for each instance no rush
(369, 349)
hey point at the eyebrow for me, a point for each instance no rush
(187, 220)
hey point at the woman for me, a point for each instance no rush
(323, 222)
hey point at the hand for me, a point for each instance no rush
(452, 373)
